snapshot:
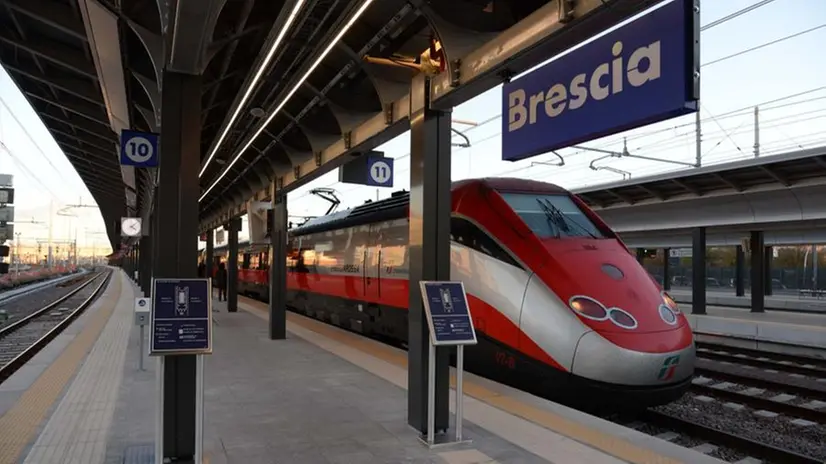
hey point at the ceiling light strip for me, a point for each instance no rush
(289, 95)
(257, 77)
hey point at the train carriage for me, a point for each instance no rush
(562, 308)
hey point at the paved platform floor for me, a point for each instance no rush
(787, 301)
(321, 396)
(769, 316)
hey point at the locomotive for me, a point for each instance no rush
(561, 307)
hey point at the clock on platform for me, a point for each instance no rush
(131, 227)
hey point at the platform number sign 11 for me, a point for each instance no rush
(380, 172)
(138, 149)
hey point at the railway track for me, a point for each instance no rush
(22, 339)
(780, 362)
(748, 404)
(715, 436)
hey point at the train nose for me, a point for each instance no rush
(598, 358)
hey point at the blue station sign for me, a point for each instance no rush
(181, 317)
(380, 171)
(641, 73)
(139, 149)
(448, 313)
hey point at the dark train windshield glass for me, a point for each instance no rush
(552, 216)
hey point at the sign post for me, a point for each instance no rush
(142, 311)
(450, 323)
(181, 323)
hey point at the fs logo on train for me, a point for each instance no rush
(669, 367)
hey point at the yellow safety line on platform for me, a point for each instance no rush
(18, 427)
(606, 443)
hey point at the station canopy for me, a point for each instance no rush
(91, 68)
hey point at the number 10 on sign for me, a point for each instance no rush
(139, 149)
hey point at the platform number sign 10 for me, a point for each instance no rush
(381, 173)
(139, 149)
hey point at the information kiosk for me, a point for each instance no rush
(450, 322)
(181, 323)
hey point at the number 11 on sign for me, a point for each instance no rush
(381, 173)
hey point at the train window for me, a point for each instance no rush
(552, 216)
(468, 234)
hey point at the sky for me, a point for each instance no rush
(731, 88)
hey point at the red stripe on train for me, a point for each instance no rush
(395, 293)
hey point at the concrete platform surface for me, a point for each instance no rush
(548, 430)
(787, 301)
(321, 396)
(779, 331)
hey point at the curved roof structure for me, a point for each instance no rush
(91, 68)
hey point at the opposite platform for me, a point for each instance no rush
(788, 302)
(779, 331)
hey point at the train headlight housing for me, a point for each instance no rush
(668, 315)
(669, 302)
(622, 318)
(588, 307)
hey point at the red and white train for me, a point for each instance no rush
(561, 307)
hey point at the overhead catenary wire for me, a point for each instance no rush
(28, 134)
(764, 45)
(734, 15)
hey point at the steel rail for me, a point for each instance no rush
(752, 448)
(766, 404)
(22, 322)
(20, 360)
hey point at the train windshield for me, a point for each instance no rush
(552, 216)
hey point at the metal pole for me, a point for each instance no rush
(140, 354)
(431, 393)
(756, 132)
(460, 368)
(199, 411)
(159, 385)
(698, 133)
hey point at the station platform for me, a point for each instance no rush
(788, 301)
(324, 395)
(779, 331)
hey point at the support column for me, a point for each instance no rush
(147, 246)
(429, 249)
(210, 254)
(758, 297)
(698, 271)
(232, 228)
(666, 268)
(641, 255)
(177, 228)
(278, 266)
(740, 271)
(767, 266)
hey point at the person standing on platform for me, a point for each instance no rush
(221, 281)
(201, 270)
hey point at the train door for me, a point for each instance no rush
(372, 263)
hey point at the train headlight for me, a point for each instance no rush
(622, 318)
(588, 307)
(668, 315)
(669, 302)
